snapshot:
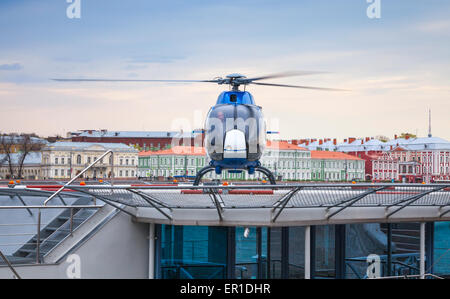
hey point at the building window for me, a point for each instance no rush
(89, 160)
(120, 173)
(56, 172)
(56, 160)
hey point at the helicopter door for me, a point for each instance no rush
(235, 145)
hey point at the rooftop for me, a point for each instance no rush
(136, 134)
(332, 156)
(63, 145)
(283, 145)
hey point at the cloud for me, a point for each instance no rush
(439, 26)
(155, 59)
(11, 67)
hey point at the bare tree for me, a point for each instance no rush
(7, 142)
(24, 144)
(27, 143)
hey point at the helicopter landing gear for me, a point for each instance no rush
(268, 174)
(201, 173)
(209, 168)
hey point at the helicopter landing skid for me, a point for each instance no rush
(209, 168)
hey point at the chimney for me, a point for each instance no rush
(367, 139)
(407, 137)
(345, 140)
(351, 139)
(295, 142)
(320, 142)
(335, 141)
(307, 142)
(90, 132)
(395, 136)
(362, 141)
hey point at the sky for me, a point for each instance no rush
(396, 66)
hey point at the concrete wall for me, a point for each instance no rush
(118, 250)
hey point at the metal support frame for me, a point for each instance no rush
(23, 202)
(313, 252)
(285, 252)
(152, 202)
(422, 250)
(62, 200)
(259, 252)
(16, 275)
(102, 198)
(352, 201)
(283, 202)
(429, 247)
(151, 250)
(389, 249)
(410, 200)
(340, 250)
(308, 252)
(219, 204)
(231, 252)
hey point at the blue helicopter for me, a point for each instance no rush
(235, 131)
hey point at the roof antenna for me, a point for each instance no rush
(429, 123)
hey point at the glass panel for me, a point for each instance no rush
(274, 241)
(325, 252)
(442, 248)
(363, 240)
(297, 252)
(193, 252)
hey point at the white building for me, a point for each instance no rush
(64, 160)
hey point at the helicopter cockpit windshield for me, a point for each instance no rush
(224, 118)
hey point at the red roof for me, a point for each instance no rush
(283, 145)
(176, 150)
(332, 155)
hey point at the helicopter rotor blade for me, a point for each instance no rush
(298, 86)
(126, 80)
(283, 75)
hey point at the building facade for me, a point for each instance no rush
(414, 160)
(173, 162)
(336, 166)
(64, 160)
(288, 162)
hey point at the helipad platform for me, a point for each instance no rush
(269, 205)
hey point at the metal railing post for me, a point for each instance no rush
(16, 275)
(71, 221)
(38, 237)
